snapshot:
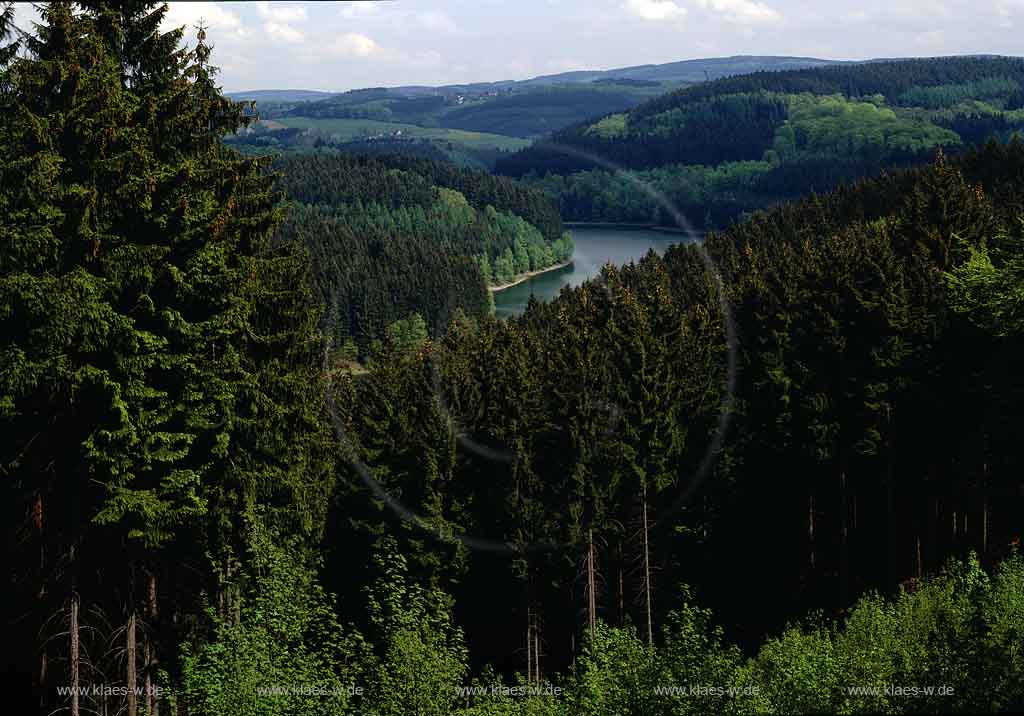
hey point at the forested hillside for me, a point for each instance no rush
(394, 238)
(776, 472)
(872, 432)
(743, 143)
(527, 108)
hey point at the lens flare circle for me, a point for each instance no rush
(500, 455)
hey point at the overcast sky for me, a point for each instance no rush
(345, 45)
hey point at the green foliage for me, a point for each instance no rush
(612, 125)
(284, 652)
(162, 399)
(949, 95)
(836, 126)
(394, 236)
(694, 653)
(953, 631)
(408, 333)
(422, 658)
(988, 288)
(616, 674)
(161, 365)
(777, 135)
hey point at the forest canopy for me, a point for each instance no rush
(777, 471)
(392, 236)
(785, 133)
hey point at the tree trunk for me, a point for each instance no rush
(921, 564)
(132, 708)
(591, 584)
(536, 649)
(810, 528)
(529, 642)
(74, 655)
(890, 520)
(844, 542)
(152, 704)
(622, 599)
(647, 575)
(984, 509)
(37, 524)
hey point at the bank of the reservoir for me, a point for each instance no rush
(594, 247)
(527, 276)
(627, 227)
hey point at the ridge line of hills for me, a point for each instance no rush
(692, 70)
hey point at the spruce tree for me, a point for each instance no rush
(161, 366)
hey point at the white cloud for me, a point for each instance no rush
(1007, 10)
(24, 15)
(855, 16)
(278, 21)
(740, 11)
(931, 37)
(281, 13)
(352, 44)
(222, 21)
(428, 58)
(359, 8)
(656, 9)
(436, 22)
(283, 32)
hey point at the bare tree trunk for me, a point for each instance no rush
(921, 564)
(132, 708)
(536, 649)
(591, 586)
(74, 654)
(147, 676)
(890, 517)
(152, 705)
(984, 509)
(572, 632)
(844, 541)
(37, 523)
(529, 639)
(622, 600)
(647, 574)
(810, 527)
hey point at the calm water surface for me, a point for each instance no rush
(594, 248)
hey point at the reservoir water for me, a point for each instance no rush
(594, 248)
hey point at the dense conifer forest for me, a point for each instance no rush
(393, 238)
(778, 471)
(722, 149)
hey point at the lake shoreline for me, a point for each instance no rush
(527, 276)
(626, 226)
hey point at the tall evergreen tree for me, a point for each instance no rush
(161, 364)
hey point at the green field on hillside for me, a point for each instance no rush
(352, 129)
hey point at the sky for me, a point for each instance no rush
(338, 46)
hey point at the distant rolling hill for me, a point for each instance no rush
(280, 95)
(689, 71)
(526, 108)
(737, 144)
